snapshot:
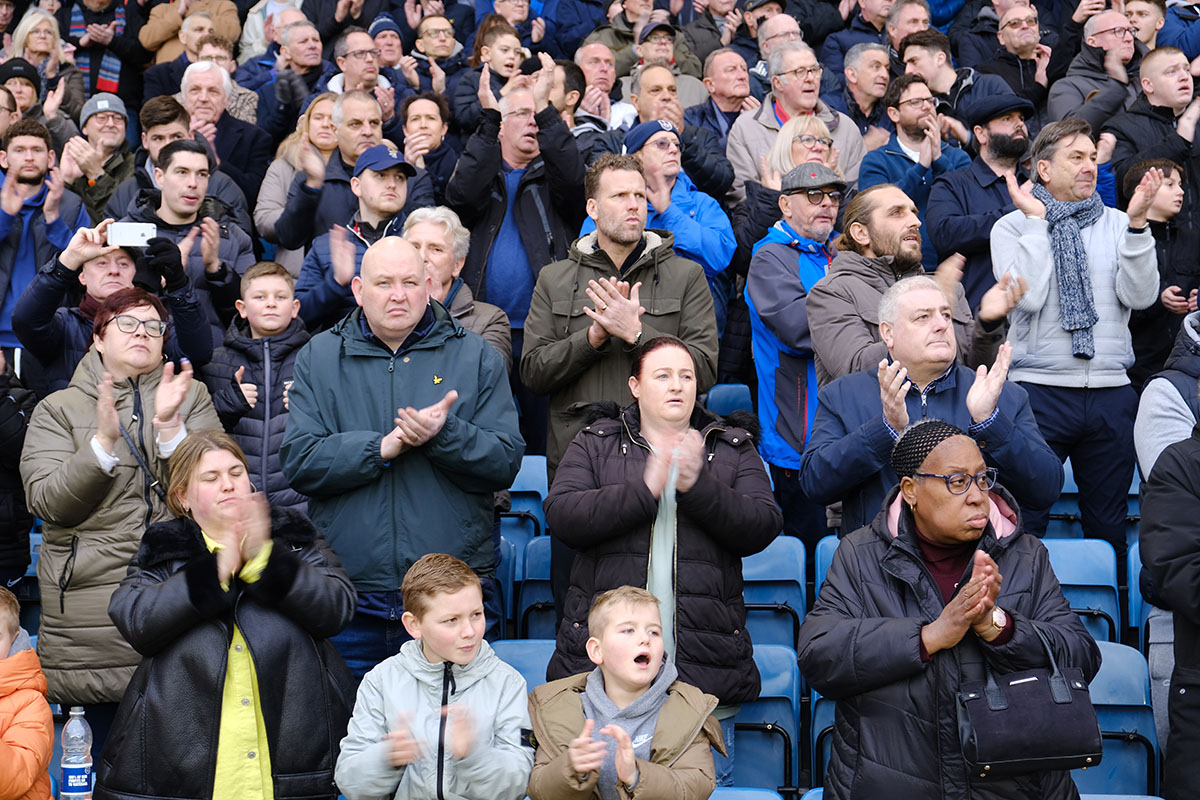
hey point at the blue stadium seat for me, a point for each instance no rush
(1121, 695)
(527, 519)
(773, 588)
(813, 794)
(821, 735)
(1064, 527)
(1118, 797)
(530, 657)
(1087, 570)
(825, 550)
(535, 600)
(1139, 610)
(725, 398)
(742, 793)
(1065, 510)
(767, 731)
(507, 576)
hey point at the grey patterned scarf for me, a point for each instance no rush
(1077, 306)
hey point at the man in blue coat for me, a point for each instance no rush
(400, 427)
(860, 416)
(915, 155)
(786, 263)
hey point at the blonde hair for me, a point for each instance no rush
(779, 159)
(34, 17)
(435, 573)
(288, 147)
(188, 454)
(604, 603)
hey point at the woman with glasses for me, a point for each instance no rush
(37, 41)
(942, 584)
(94, 469)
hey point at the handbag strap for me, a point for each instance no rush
(155, 484)
(1060, 691)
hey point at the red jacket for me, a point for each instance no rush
(26, 729)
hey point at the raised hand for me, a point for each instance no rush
(614, 9)
(387, 102)
(1105, 147)
(584, 754)
(210, 244)
(543, 82)
(54, 99)
(1022, 197)
(86, 244)
(689, 455)
(537, 30)
(959, 615)
(949, 274)
(343, 255)
(658, 465)
(69, 166)
(253, 527)
(461, 733)
(487, 98)
(412, 13)
(312, 164)
(249, 390)
(985, 391)
(990, 581)
(1000, 300)
(930, 149)
(419, 426)
(172, 389)
(733, 21)
(769, 178)
(893, 389)
(10, 196)
(56, 186)
(627, 771)
(438, 76)
(596, 102)
(408, 68)
(108, 427)
(616, 314)
(1143, 197)
(403, 748)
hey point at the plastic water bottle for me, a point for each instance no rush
(76, 758)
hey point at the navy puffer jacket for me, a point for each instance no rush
(269, 362)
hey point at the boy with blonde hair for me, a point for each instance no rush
(655, 733)
(444, 717)
(26, 727)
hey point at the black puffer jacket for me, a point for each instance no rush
(172, 609)
(600, 506)
(269, 362)
(896, 730)
(16, 404)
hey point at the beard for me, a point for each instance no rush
(1004, 147)
(904, 257)
(31, 180)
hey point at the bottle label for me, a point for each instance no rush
(77, 781)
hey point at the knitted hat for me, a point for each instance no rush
(384, 22)
(639, 134)
(20, 68)
(102, 102)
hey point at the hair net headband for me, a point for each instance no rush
(917, 442)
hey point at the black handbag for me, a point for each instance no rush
(1029, 721)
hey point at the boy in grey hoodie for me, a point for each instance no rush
(654, 734)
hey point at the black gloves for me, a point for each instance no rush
(290, 88)
(163, 258)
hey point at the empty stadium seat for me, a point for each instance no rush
(767, 731)
(1121, 695)
(725, 398)
(527, 519)
(813, 794)
(507, 576)
(743, 793)
(773, 588)
(824, 557)
(530, 657)
(535, 600)
(1087, 570)
(820, 735)
(1139, 610)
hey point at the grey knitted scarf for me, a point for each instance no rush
(1077, 306)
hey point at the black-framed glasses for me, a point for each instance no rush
(802, 72)
(127, 323)
(363, 54)
(1120, 33)
(817, 196)
(918, 102)
(960, 482)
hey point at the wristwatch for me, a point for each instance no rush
(999, 618)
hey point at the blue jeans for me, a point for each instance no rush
(369, 639)
(724, 763)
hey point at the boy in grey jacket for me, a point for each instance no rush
(443, 717)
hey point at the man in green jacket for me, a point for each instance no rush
(401, 426)
(618, 286)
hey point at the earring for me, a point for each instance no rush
(253, 488)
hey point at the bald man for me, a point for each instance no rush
(401, 427)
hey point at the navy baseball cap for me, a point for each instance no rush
(986, 109)
(382, 157)
(639, 134)
(658, 26)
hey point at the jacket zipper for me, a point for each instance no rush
(64, 577)
(137, 421)
(266, 428)
(448, 689)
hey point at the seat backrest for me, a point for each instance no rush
(535, 599)
(1138, 610)
(507, 574)
(1087, 571)
(725, 398)
(1121, 696)
(768, 758)
(530, 657)
(825, 550)
(773, 589)
(743, 793)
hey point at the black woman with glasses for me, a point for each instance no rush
(942, 585)
(915, 376)
(94, 468)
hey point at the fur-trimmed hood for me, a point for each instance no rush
(180, 539)
(741, 424)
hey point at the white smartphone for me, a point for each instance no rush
(131, 234)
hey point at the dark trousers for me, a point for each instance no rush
(370, 639)
(1094, 428)
(802, 517)
(533, 410)
(1182, 771)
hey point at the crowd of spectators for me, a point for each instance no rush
(390, 247)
